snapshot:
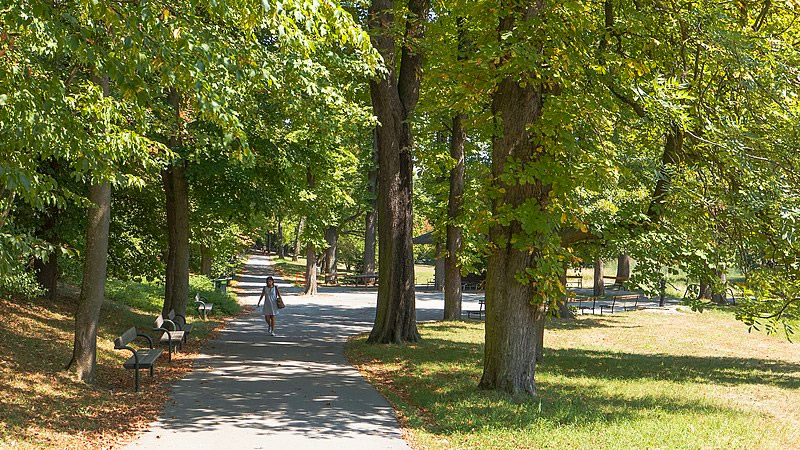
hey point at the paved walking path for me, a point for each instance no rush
(294, 391)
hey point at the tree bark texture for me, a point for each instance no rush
(624, 266)
(206, 258)
(512, 321)
(438, 267)
(311, 270)
(176, 188)
(281, 248)
(47, 270)
(599, 287)
(297, 232)
(673, 154)
(332, 238)
(93, 284)
(84, 352)
(394, 98)
(455, 201)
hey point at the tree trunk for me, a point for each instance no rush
(673, 154)
(563, 306)
(512, 322)
(297, 232)
(394, 98)
(93, 284)
(84, 352)
(47, 270)
(438, 267)
(176, 188)
(705, 290)
(206, 258)
(371, 220)
(47, 274)
(311, 270)
(332, 238)
(452, 268)
(269, 244)
(599, 285)
(624, 266)
(718, 295)
(281, 248)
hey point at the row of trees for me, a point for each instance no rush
(533, 137)
(170, 133)
(665, 131)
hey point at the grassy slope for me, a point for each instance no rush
(43, 406)
(643, 379)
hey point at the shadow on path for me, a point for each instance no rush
(250, 390)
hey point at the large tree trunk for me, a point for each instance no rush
(371, 219)
(93, 284)
(394, 98)
(512, 321)
(297, 232)
(599, 286)
(624, 266)
(176, 188)
(206, 258)
(438, 267)
(332, 238)
(281, 247)
(452, 269)
(84, 352)
(311, 270)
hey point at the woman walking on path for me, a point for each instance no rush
(270, 294)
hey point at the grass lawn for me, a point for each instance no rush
(635, 380)
(41, 405)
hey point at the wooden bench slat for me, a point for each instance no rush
(147, 359)
(125, 338)
(176, 336)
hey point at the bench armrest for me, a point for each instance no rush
(169, 335)
(172, 324)
(182, 323)
(135, 354)
(149, 339)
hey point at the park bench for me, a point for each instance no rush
(575, 281)
(583, 307)
(141, 359)
(477, 312)
(180, 322)
(618, 282)
(473, 282)
(172, 338)
(203, 307)
(625, 300)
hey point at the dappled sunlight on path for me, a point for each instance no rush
(250, 390)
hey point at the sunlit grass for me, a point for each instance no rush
(635, 380)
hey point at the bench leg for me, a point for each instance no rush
(169, 350)
(151, 371)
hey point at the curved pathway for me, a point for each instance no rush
(294, 391)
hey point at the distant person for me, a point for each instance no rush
(271, 296)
